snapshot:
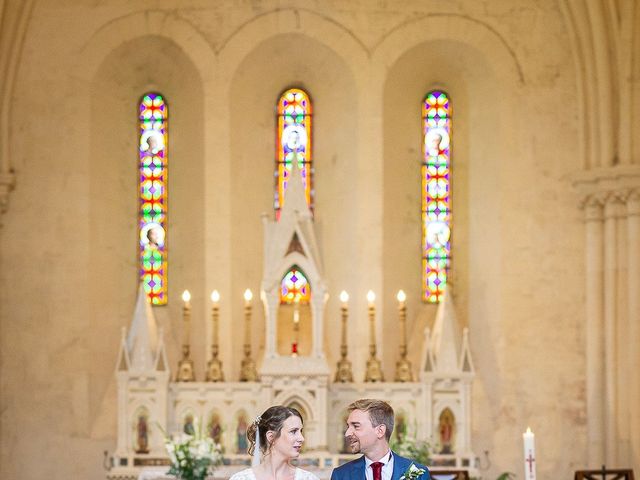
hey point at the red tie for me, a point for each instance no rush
(377, 470)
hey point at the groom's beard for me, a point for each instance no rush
(354, 444)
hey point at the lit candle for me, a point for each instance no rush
(344, 298)
(247, 314)
(371, 298)
(401, 297)
(186, 313)
(247, 296)
(402, 309)
(215, 299)
(529, 455)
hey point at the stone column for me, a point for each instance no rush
(633, 312)
(610, 287)
(594, 330)
(271, 302)
(318, 300)
(623, 374)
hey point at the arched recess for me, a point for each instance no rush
(133, 68)
(294, 327)
(141, 430)
(301, 402)
(280, 62)
(467, 77)
(215, 427)
(482, 75)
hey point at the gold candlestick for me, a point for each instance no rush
(214, 367)
(374, 368)
(343, 371)
(185, 365)
(248, 371)
(403, 366)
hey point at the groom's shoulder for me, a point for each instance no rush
(346, 466)
(405, 463)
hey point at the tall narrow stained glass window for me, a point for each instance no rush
(152, 191)
(293, 143)
(436, 198)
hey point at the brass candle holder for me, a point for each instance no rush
(374, 368)
(248, 372)
(403, 366)
(214, 366)
(185, 371)
(343, 370)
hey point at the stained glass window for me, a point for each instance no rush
(152, 216)
(295, 287)
(436, 199)
(293, 143)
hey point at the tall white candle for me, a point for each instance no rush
(529, 455)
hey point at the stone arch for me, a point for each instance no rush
(137, 25)
(137, 66)
(290, 21)
(472, 33)
(302, 400)
(257, 82)
(479, 73)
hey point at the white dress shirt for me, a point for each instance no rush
(387, 466)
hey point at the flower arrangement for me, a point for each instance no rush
(412, 473)
(192, 456)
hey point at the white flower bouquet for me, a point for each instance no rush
(192, 457)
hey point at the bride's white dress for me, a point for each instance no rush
(247, 474)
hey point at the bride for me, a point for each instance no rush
(276, 436)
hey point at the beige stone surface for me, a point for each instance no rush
(521, 83)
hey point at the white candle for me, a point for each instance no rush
(529, 455)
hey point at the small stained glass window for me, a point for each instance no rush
(295, 287)
(152, 194)
(293, 143)
(436, 199)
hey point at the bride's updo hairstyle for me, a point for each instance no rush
(271, 420)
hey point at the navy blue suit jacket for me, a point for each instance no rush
(355, 469)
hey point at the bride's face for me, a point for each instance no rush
(290, 441)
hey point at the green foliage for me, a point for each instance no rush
(417, 450)
(506, 476)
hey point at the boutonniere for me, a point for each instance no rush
(412, 473)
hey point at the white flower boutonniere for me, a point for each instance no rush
(412, 473)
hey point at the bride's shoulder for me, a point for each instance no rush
(246, 474)
(305, 475)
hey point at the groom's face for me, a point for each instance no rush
(361, 435)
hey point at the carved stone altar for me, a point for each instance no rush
(438, 404)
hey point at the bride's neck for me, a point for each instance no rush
(276, 466)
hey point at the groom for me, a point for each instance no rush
(369, 429)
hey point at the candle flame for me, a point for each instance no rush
(371, 297)
(215, 296)
(248, 295)
(186, 296)
(344, 296)
(401, 296)
(529, 431)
